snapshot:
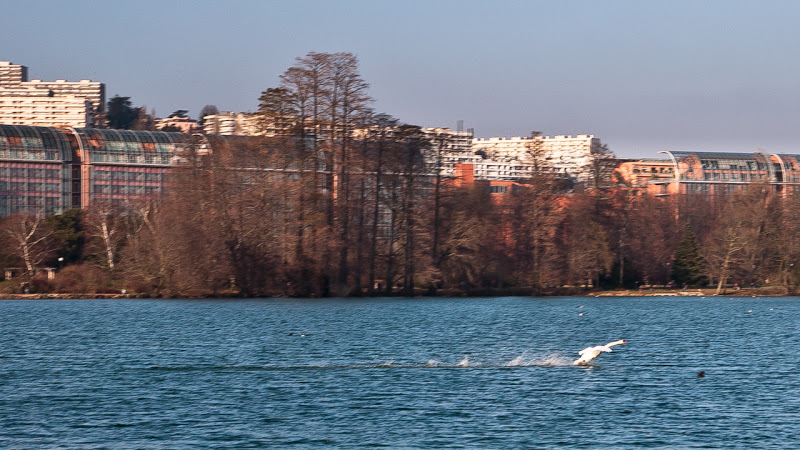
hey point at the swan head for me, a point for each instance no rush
(621, 341)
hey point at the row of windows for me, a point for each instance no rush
(123, 158)
(126, 190)
(653, 170)
(29, 154)
(724, 176)
(28, 173)
(21, 186)
(739, 165)
(134, 147)
(16, 200)
(108, 175)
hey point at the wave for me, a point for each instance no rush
(550, 360)
(523, 360)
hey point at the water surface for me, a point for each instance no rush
(399, 372)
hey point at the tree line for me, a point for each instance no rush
(336, 199)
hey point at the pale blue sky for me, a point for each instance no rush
(641, 75)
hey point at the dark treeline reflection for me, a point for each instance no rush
(336, 199)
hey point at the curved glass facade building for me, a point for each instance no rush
(123, 165)
(717, 172)
(711, 172)
(35, 167)
(48, 170)
(45, 169)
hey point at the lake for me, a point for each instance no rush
(397, 372)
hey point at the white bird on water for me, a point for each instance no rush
(590, 353)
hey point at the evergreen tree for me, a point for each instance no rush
(121, 114)
(688, 267)
(67, 232)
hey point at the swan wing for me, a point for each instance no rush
(594, 350)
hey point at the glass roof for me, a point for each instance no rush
(24, 142)
(127, 141)
(718, 155)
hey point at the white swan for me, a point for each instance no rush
(590, 353)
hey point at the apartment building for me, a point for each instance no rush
(516, 157)
(229, 123)
(43, 111)
(12, 74)
(448, 149)
(49, 100)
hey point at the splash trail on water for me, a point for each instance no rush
(523, 360)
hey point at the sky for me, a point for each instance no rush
(643, 76)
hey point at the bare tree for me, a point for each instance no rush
(540, 210)
(279, 112)
(600, 167)
(104, 223)
(588, 251)
(735, 239)
(30, 239)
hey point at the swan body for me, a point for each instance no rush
(590, 353)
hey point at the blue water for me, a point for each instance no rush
(424, 373)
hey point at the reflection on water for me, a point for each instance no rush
(399, 372)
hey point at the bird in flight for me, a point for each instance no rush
(590, 353)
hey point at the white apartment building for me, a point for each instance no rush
(12, 74)
(43, 111)
(94, 91)
(513, 158)
(57, 99)
(448, 148)
(232, 124)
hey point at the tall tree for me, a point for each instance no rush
(540, 211)
(688, 266)
(105, 230)
(733, 245)
(347, 101)
(414, 143)
(278, 110)
(380, 134)
(600, 167)
(121, 114)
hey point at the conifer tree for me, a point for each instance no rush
(688, 267)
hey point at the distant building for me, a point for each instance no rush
(229, 123)
(46, 169)
(711, 173)
(642, 172)
(516, 157)
(185, 124)
(12, 74)
(43, 111)
(448, 149)
(51, 103)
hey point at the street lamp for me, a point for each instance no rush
(60, 261)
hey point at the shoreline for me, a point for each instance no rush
(748, 292)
